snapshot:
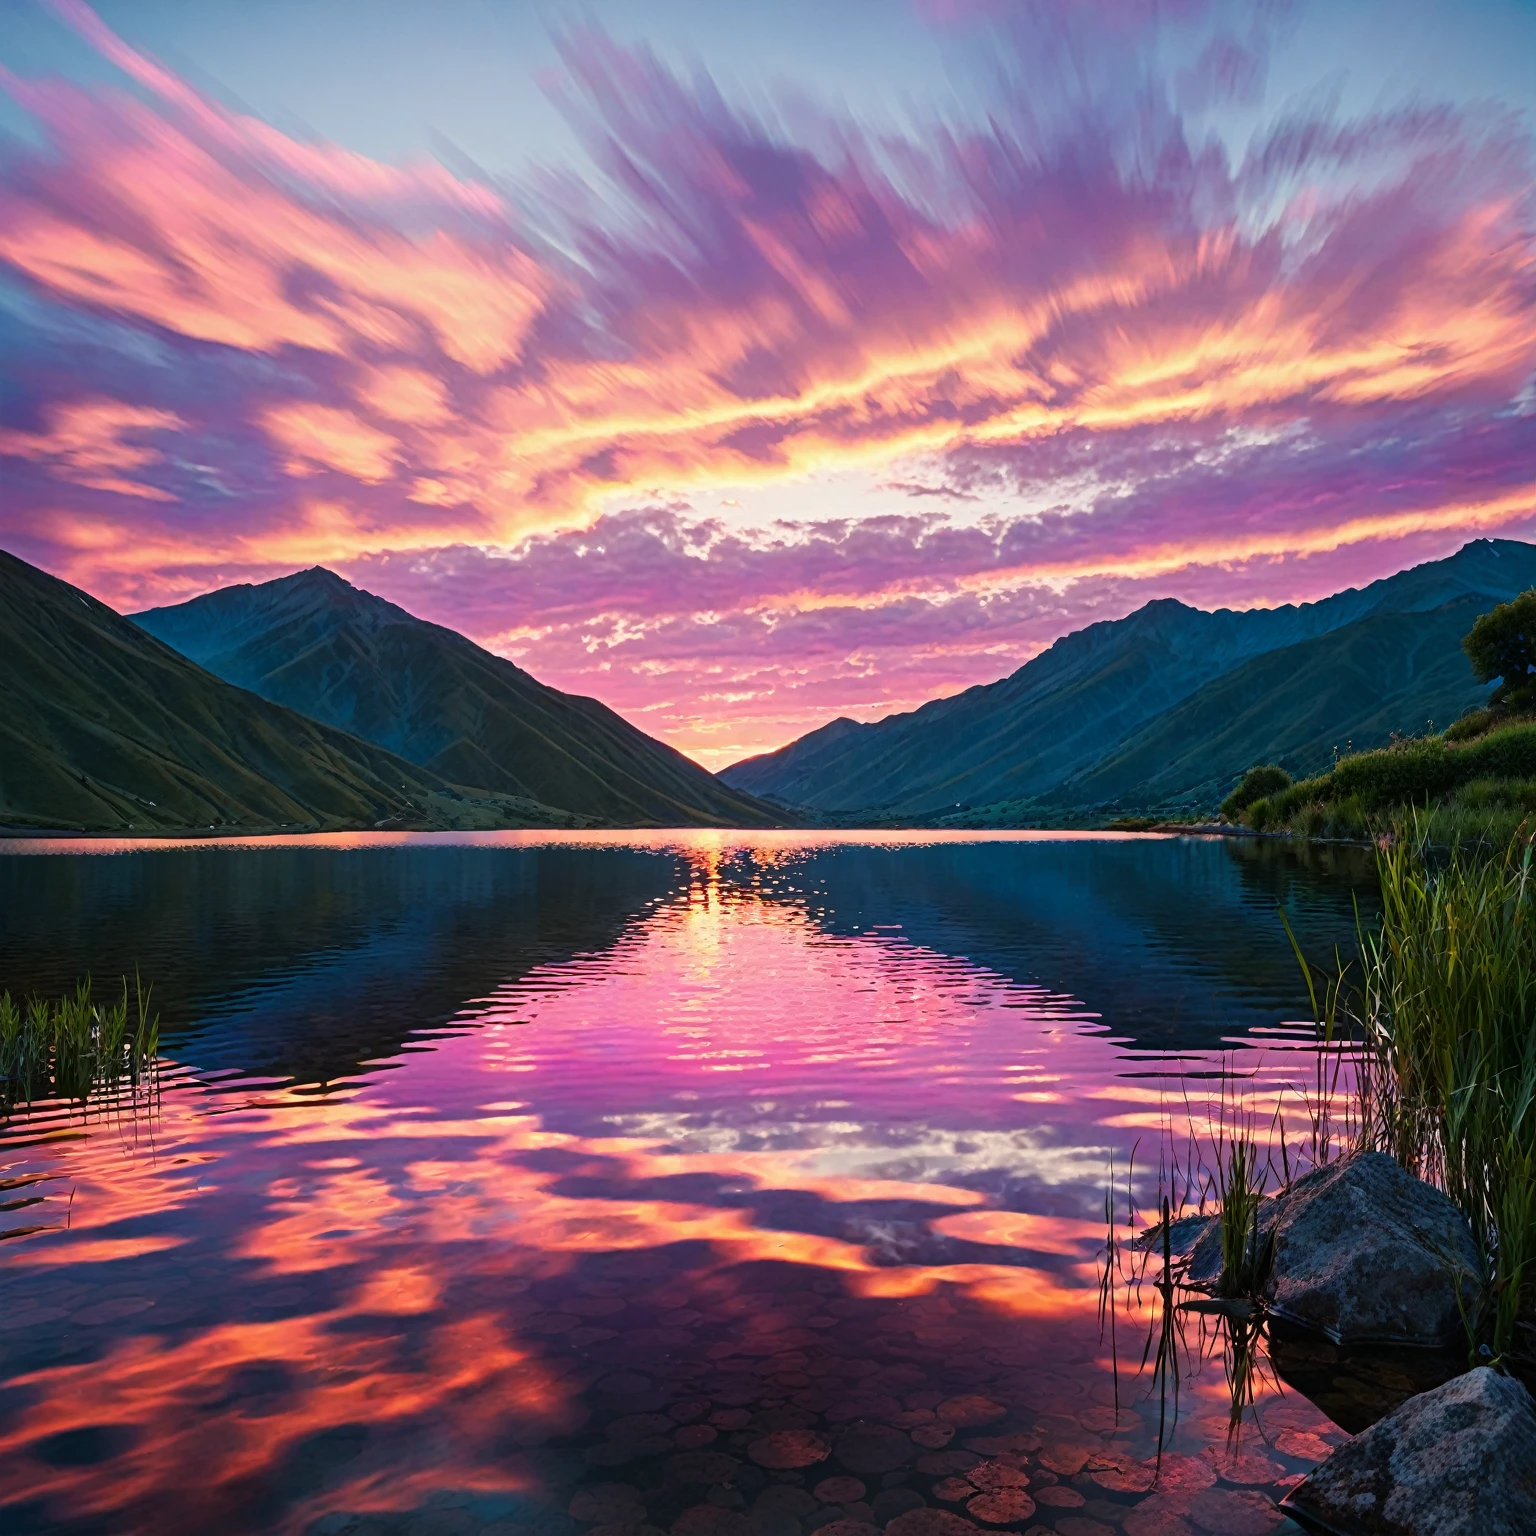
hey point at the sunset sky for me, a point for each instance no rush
(747, 364)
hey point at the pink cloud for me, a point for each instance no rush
(1101, 359)
(321, 437)
(89, 443)
(727, 641)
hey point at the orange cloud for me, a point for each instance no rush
(323, 437)
(85, 443)
(210, 245)
(409, 395)
(200, 222)
(1220, 548)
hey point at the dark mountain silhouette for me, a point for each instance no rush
(317, 644)
(103, 728)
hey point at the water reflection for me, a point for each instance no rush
(716, 1187)
(304, 959)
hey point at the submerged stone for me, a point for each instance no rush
(970, 1410)
(868, 1448)
(1004, 1507)
(711, 1520)
(785, 1498)
(931, 1522)
(933, 1437)
(839, 1490)
(1456, 1461)
(607, 1503)
(786, 1448)
(1366, 1253)
(994, 1476)
(891, 1502)
(1059, 1496)
(1233, 1512)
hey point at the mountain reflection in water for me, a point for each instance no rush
(510, 1183)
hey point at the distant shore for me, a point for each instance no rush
(214, 833)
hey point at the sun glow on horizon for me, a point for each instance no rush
(742, 426)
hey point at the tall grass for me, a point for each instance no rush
(1242, 1263)
(76, 1047)
(1446, 1080)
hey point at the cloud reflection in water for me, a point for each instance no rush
(733, 1155)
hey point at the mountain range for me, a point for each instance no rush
(319, 645)
(104, 727)
(308, 703)
(1165, 708)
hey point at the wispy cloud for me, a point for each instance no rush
(1100, 353)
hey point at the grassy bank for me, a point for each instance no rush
(1468, 785)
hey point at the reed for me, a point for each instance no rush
(1446, 1077)
(75, 1048)
(1242, 1191)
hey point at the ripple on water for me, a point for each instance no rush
(691, 1185)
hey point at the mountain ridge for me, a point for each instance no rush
(316, 643)
(105, 728)
(1063, 729)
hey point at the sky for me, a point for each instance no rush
(746, 365)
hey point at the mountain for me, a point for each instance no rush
(317, 644)
(104, 728)
(1383, 673)
(1168, 705)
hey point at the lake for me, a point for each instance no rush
(708, 1183)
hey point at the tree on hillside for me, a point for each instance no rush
(1502, 645)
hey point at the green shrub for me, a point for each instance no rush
(1475, 722)
(1495, 795)
(1422, 772)
(1257, 783)
(1282, 807)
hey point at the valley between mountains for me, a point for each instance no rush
(105, 728)
(306, 704)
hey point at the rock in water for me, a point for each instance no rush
(1366, 1253)
(1457, 1461)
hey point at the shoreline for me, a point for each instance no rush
(221, 833)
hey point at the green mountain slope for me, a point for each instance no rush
(1133, 712)
(1384, 673)
(1020, 737)
(318, 644)
(103, 728)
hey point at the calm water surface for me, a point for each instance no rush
(706, 1183)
